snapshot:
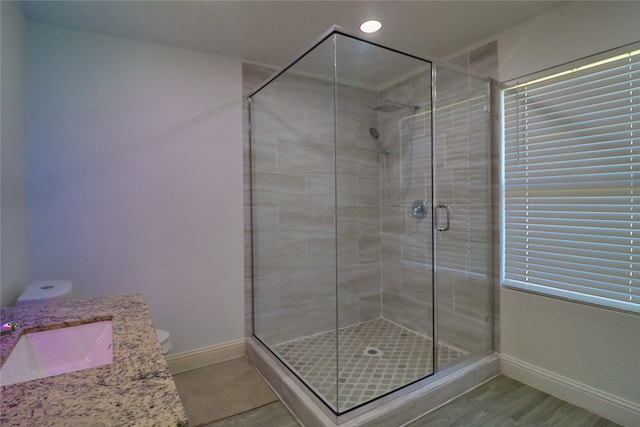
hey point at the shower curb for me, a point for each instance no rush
(396, 408)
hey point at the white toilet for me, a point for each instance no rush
(58, 290)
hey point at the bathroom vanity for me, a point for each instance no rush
(135, 389)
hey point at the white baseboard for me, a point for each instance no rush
(592, 399)
(206, 356)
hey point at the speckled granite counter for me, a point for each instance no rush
(135, 390)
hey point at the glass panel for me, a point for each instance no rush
(293, 193)
(462, 196)
(383, 158)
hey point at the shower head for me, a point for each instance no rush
(376, 137)
(391, 106)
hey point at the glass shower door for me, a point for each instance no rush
(462, 215)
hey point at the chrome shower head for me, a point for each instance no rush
(391, 106)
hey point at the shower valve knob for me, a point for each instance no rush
(419, 209)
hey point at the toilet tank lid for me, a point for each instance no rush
(47, 289)
(162, 335)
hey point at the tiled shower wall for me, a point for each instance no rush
(406, 241)
(294, 218)
(358, 206)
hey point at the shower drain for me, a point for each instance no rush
(372, 351)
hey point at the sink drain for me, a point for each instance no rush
(372, 351)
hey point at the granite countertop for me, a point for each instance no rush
(137, 389)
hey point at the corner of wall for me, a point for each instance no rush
(13, 212)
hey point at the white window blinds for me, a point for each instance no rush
(571, 181)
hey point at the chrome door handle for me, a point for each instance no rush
(442, 224)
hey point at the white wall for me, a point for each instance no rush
(592, 354)
(135, 177)
(591, 348)
(567, 33)
(13, 150)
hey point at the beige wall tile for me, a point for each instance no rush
(415, 248)
(347, 250)
(320, 190)
(263, 154)
(265, 293)
(393, 219)
(369, 249)
(368, 191)
(359, 279)
(358, 220)
(464, 331)
(445, 289)
(358, 161)
(369, 307)
(274, 190)
(280, 325)
(265, 224)
(295, 156)
(273, 256)
(391, 277)
(391, 245)
(472, 297)
(348, 309)
(321, 317)
(304, 287)
(407, 312)
(321, 253)
(305, 223)
(417, 282)
(347, 190)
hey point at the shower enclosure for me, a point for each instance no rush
(371, 226)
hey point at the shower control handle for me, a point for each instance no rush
(419, 209)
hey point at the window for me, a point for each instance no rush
(571, 182)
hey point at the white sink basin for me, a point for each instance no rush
(58, 351)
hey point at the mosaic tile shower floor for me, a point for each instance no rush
(403, 357)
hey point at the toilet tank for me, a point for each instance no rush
(45, 291)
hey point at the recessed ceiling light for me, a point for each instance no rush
(370, 26)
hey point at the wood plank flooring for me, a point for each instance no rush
(501, 402)
(504, 402)
(274, 414)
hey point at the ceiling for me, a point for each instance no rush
(274, 32)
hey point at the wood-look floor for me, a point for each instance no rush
(271, 415)
(501, 402)
(504, 402)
